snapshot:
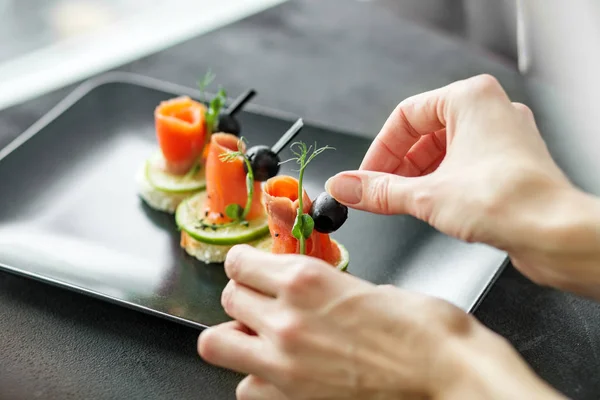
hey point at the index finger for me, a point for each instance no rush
(413, 118)
(259, 270)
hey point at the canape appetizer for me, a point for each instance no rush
(230, 211)
(298, 225)
(183, 129)
(177, 170)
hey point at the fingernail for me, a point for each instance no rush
(345, 188)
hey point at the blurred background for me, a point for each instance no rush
(553, 48)
(47, 44)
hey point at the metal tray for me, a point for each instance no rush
(70, 215)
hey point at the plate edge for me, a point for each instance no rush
(62, 285)
(148, 82)
(484, 292)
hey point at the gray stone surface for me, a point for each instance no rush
(339, 63)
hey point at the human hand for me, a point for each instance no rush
(304, 330)
(471, 163)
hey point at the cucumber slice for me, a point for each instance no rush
(170, 183)
(187, 219)
(342, 265)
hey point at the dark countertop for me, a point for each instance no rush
(301, 58)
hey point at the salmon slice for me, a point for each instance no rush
(226, 181)
(280, 197)
(181, 132)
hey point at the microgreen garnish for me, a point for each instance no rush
(215, 105)
(209, 77)
(304, 224)
(212, 115)
(214, 109)
(235, 211)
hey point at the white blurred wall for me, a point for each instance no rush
(561, 53)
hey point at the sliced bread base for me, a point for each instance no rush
(211, 253)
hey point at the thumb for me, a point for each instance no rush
(381, 193)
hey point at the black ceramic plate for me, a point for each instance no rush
(70, 215)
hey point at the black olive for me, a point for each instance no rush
(228, 124)
(264, 162)
(329, 215)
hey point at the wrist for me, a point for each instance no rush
(484, 365)
(559, 242)
(567, 221)
(530, 207)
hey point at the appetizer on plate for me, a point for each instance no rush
(183, 129)
(230, 211)
(176, 171)
(298, 225)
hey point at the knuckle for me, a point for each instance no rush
(523, 109)
(287, 330)
(423, 202)
(454, 320)
(433, 317)
(468, 234)
(486, 83)
(246, 388)
(303, 278)
(378, 193)
(405, 105)
(480, 86)
(450, 320)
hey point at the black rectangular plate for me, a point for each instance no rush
(70, 214)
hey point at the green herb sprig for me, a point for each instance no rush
(214, 109)
(212, 116)
(304, 224)
(208, 78)
(215, 105)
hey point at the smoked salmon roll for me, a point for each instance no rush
(281, 200)
(181, 133)
(230, 211)
(176, 171)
